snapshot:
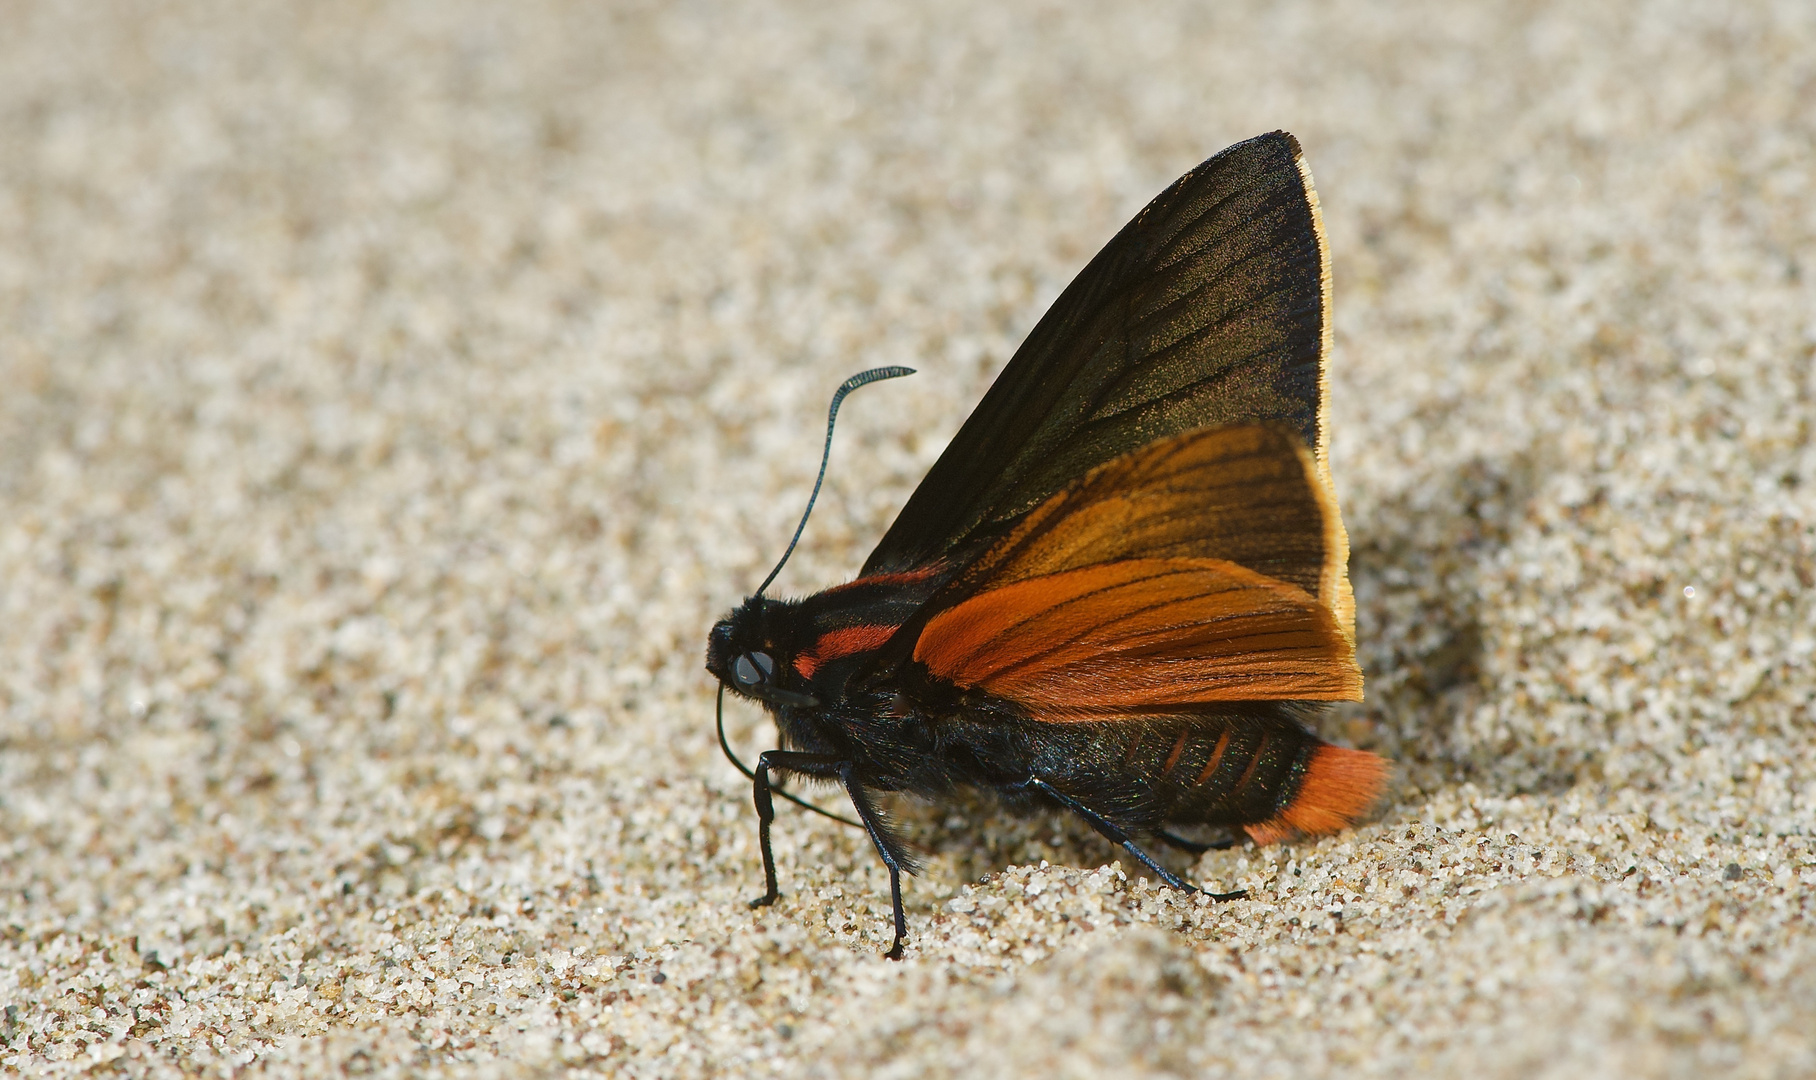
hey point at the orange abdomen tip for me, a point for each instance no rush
(1338, 788)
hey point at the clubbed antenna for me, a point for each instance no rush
(862, 378)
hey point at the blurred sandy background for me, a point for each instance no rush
(391, 396)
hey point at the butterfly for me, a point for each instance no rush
(1123, 589)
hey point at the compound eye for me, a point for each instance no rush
(752, 668)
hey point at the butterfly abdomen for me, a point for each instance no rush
(1262, 773)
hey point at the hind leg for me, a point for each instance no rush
(1112, 832)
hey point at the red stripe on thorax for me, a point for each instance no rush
(901, 577)
(846, 642)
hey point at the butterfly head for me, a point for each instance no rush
(741, 650)
(742, 653)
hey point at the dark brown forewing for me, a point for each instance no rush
(1209, 308)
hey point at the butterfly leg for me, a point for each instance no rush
(786, 761)
(1110, 831)
(1192, 847)
(886, 847)
(832, 768)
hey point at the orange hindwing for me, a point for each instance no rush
(1210, 567)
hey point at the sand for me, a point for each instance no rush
(392, 395)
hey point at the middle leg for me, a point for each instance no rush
(888, 847)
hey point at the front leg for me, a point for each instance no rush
(887, 846)
(786, 761)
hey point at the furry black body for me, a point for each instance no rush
(909, 731)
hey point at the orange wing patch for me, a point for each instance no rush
(1253, 495)
(1123, 637)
